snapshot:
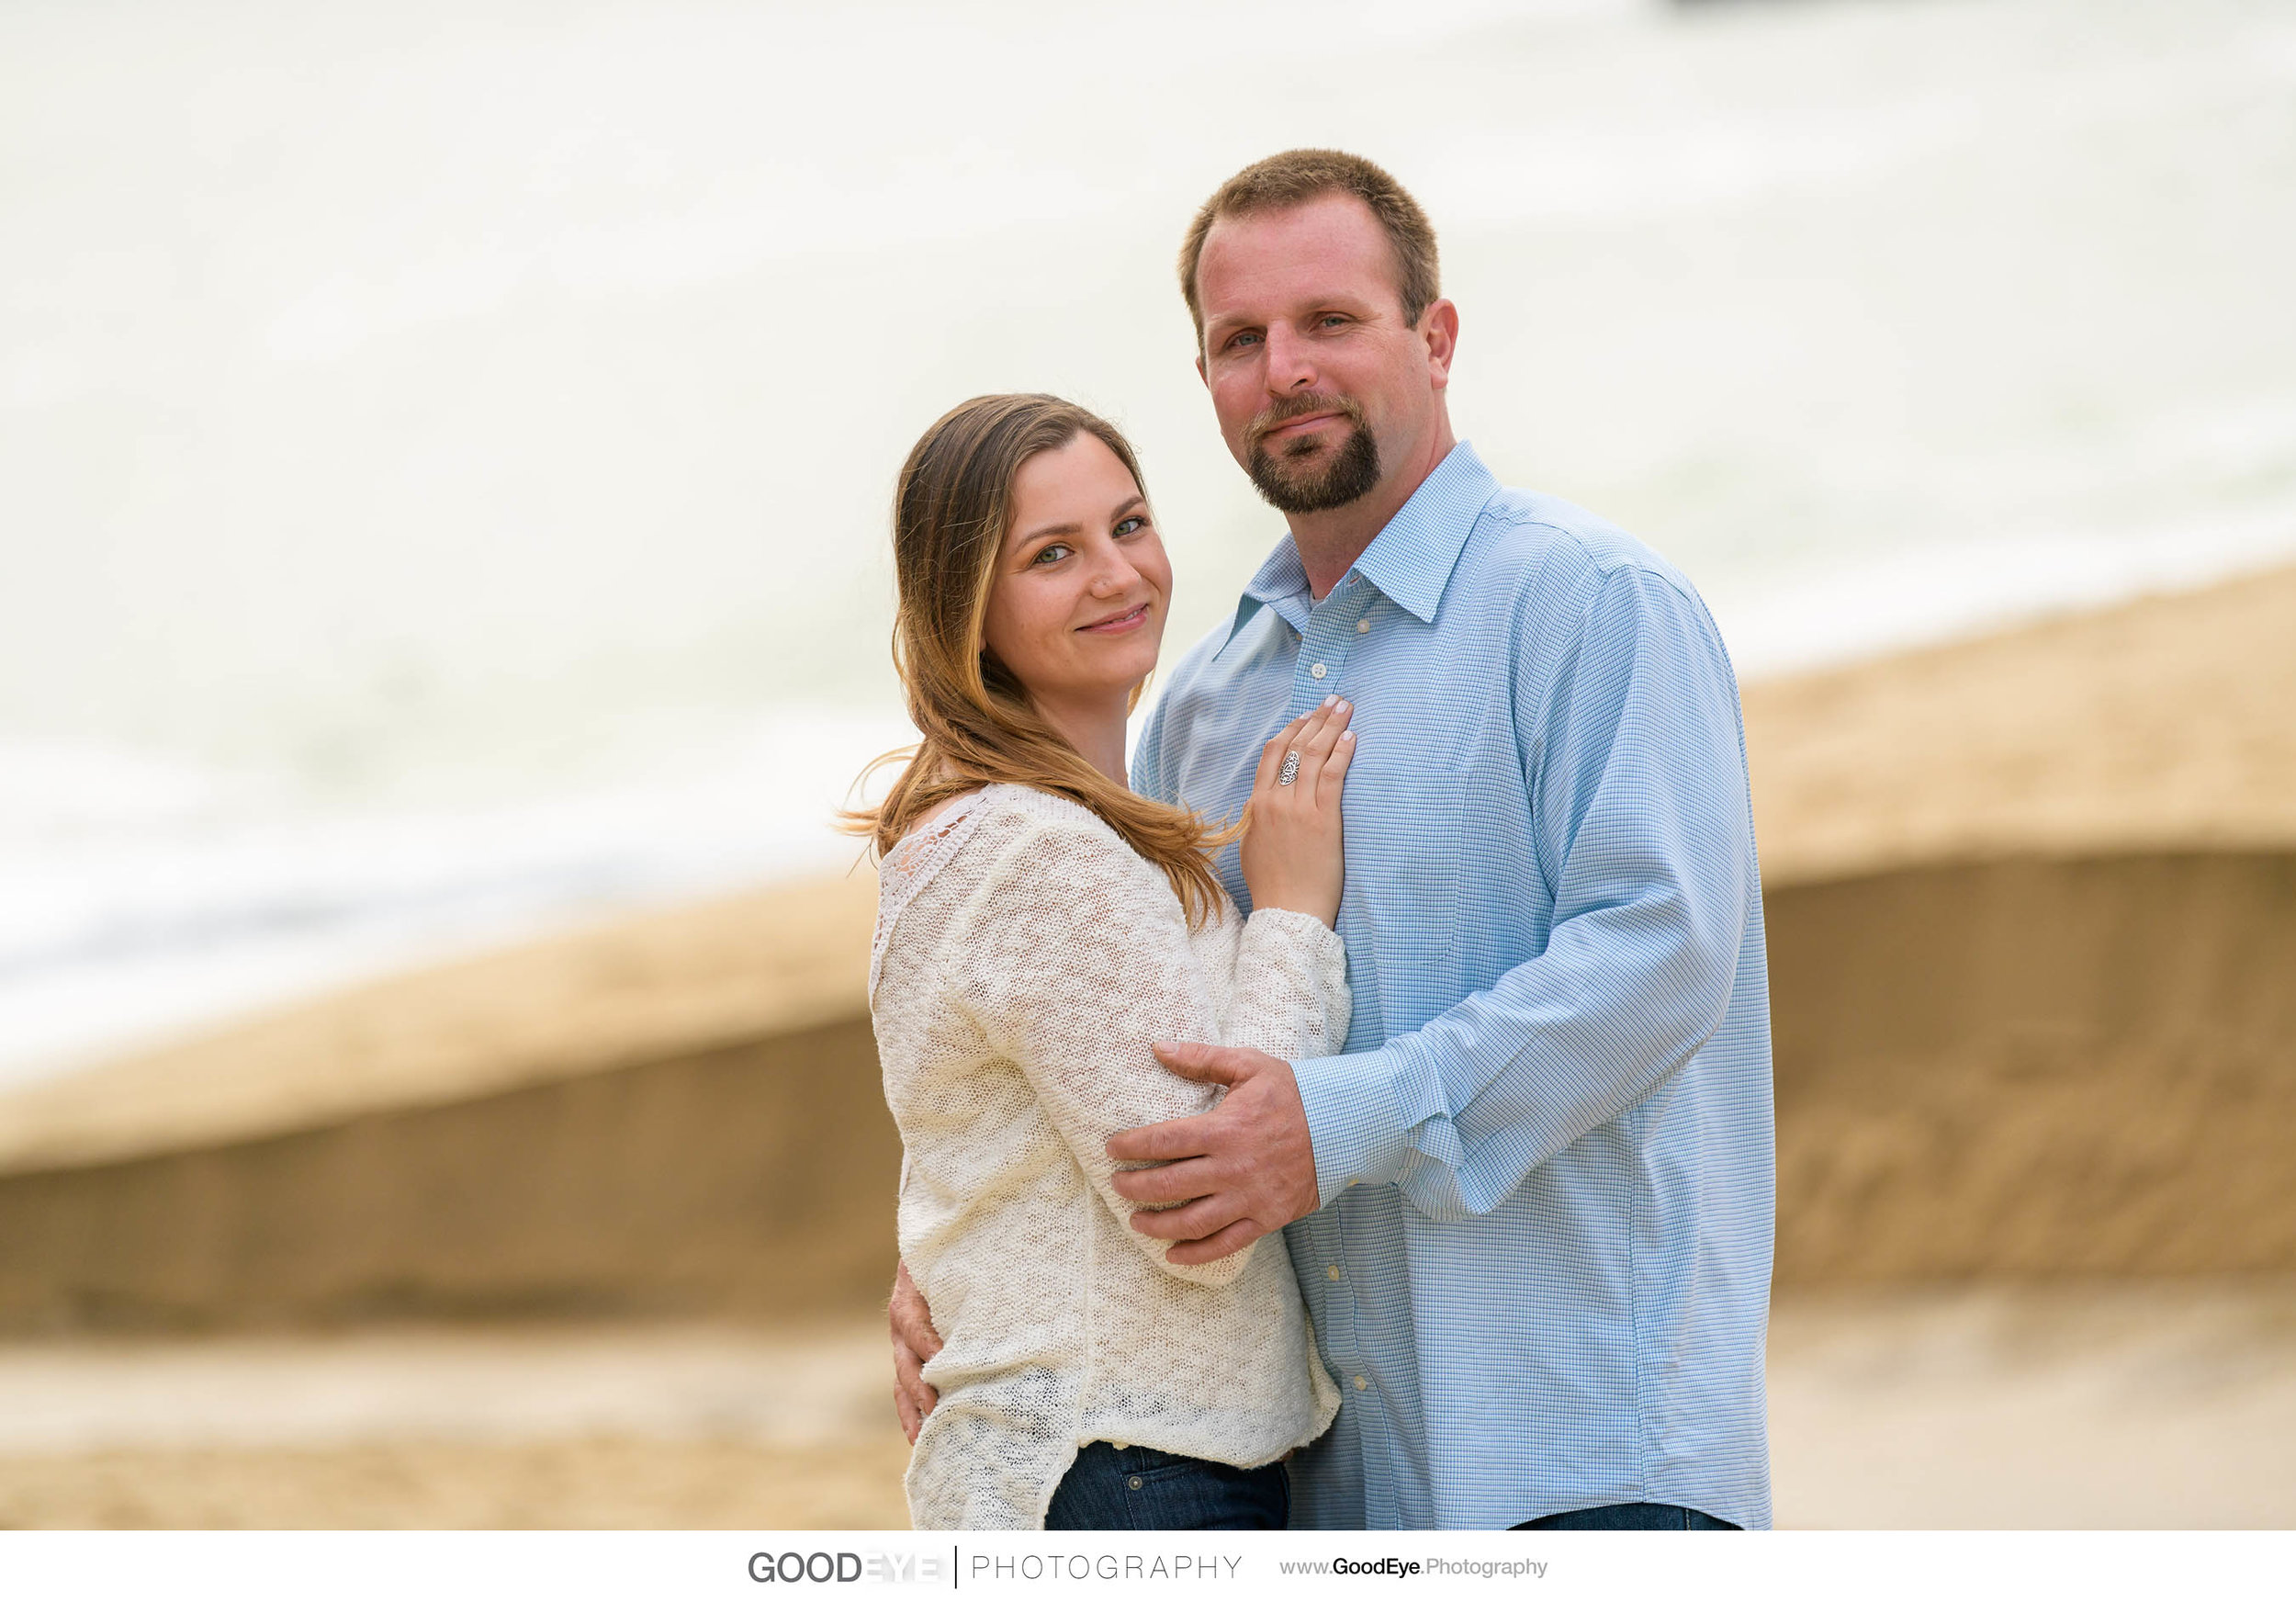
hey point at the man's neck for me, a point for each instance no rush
(1331, 542)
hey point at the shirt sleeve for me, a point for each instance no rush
(1644, 834)
(1085, 963)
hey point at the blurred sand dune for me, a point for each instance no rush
(2166, 724)
(2032, 913)
(752, 1176)
(2037, 1067)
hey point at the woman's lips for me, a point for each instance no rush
(1121, 625)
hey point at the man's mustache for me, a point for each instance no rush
(1294, 407)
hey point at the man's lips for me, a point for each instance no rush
(1299, 424)
(1121, 623)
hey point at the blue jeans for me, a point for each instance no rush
(1137, 1487)
(1630, 1516)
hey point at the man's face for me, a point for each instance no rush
(1319, 385)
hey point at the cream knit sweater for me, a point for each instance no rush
(1025, 959)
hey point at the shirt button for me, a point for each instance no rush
(1363, 626)
(1318, 670)
(1331, 1273)
(1362, 1383)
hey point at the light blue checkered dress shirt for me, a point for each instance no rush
(1541, 1273)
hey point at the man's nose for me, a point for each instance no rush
(1289, 363)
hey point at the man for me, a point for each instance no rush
(1530, 1205)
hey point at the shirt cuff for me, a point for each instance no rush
(1355, 1121)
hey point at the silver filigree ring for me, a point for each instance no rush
(1291, 769)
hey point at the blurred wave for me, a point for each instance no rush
(444, 451)
(145, 897)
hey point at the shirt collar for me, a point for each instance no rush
(1410, 561)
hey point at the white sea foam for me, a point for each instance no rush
(145, 900)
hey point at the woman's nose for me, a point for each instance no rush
(1113, 575)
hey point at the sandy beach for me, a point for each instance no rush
(2090, 1404)
(589, 1232)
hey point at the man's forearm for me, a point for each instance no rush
(1457, 1112)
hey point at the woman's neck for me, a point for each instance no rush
(1095, 727)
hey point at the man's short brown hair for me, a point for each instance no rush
(1298, 177)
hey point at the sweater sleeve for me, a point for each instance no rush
(1289, 997)
(1082, 961)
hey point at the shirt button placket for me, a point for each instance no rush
(1322, 655)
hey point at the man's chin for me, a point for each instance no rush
(1316, 485)
(1327, 479)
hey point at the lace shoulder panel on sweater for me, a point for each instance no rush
(910, 866)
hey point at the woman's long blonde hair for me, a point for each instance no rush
(950, 512)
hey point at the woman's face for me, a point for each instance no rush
(1076, 609)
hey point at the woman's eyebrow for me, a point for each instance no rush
(1051, 531)
(1022, 542)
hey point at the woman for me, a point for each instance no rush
(1039, 927)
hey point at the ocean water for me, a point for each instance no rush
(444, 451)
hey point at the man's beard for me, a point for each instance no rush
(1289, 482)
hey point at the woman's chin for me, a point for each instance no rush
(1122, 667)
(1112, 670)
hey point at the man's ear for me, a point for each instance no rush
(1200, 374)
(1439, 326)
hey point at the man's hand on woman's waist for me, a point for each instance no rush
(1243, 1170)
